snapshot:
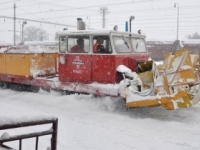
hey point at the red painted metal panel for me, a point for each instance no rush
(103, 68)
(132, 63)
(140, 57)
(16, 78)
(75, 68)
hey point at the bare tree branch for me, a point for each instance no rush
(32, 33)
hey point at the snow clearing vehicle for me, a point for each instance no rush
(174, 84)
(107, 63)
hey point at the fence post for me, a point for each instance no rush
(54, 135)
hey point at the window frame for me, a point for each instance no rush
(109, 42)
(65, 44)
(71, 36)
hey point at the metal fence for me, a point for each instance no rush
(52, 131)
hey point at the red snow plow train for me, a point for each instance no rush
(108, 62)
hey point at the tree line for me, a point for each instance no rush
(32, 33)
(194, 36)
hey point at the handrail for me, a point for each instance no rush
(42, 121)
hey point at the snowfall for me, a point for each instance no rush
(86, 122)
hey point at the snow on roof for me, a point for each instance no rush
(75, 32)
(32, 49)
(3, 49)
(47, 43)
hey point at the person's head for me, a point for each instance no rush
(100, 40)
(80, 42)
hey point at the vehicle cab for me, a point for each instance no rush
(93, 56)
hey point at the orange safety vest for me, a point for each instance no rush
(95, 48)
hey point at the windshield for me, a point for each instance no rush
(122, 44)
(139, 45)
(78, 44)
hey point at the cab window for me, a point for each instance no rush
(122, 44)
(101, 44)
(78, 44)
(139, 45)
(62, 44)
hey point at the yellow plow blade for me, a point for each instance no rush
(176, 83)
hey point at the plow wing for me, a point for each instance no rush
(174, 84)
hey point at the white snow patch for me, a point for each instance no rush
(185, 67)
(122, 69)
(62, 60)
(190, 80)
(3, 49)
(35, 73)
(32, 49)
(85, 122)
(176, 62)
(5, 135)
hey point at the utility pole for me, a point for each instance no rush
(14, 23)
(20, 30)
(103, 11)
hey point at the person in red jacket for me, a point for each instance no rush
(98, 46)
(79, 48)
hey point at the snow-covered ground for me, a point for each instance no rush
(88, 123)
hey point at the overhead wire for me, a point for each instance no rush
(31, 4)
(28, 12)
(153, 19)
(140, 10)
(110, 12)
(87, 15)
(37, 21)
(9, 2)
(160, 9)
(113, 4)
(80, 8)
(118, 20)
(50, 3)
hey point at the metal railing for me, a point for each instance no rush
(52, 131)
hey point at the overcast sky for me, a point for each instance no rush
(156, 18)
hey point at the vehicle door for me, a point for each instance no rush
(103, 62)
(75, 64)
